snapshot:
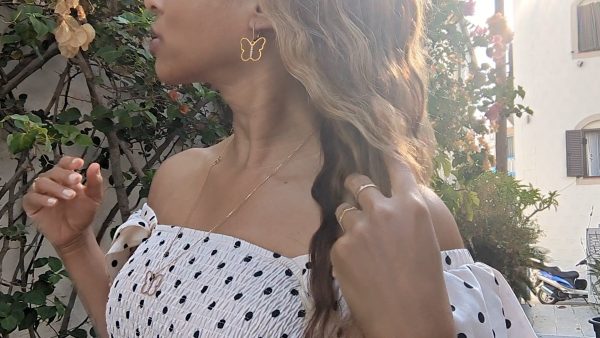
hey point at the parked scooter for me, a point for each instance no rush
(554, 285)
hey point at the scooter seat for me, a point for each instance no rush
(563, 274)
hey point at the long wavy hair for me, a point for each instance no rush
(363, 66)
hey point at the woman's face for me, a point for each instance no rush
(198, 40)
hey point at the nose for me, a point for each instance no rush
(155, 6)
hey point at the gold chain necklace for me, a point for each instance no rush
(154, 278)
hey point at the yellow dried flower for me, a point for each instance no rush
(80, 13)
(63, 7)
(69, 34)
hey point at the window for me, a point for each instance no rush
(511, 147)
(592, 152)
(588, 26)
(583, 153)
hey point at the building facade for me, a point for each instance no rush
(557, 61)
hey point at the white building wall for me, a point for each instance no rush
(562, 93)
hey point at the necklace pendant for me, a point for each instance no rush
(152, 282)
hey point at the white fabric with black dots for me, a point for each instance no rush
(227, 287)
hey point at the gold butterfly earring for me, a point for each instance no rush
(257, 44)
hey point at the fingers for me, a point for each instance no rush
(401, 175)
(40, 200)
(59, 183)
(34, 202)
(367, 196)
(94, 187)
(348, 216)
(47, 186)
(68, 178)
(70, 162)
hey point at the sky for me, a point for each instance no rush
(483, 10)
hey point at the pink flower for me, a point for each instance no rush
(496, 39)
(494, 111)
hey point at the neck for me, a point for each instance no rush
(269, 122)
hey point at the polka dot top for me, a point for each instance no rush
(223, 286)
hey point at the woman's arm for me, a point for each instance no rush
(84, 260)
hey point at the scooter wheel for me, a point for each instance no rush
(546, 298)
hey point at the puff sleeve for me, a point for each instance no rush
(136, 229)
(482, 302)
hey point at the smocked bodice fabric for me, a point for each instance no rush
(223, 286)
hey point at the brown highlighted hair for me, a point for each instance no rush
(362, 64)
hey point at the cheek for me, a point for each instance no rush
(192, 58)
(197, 44)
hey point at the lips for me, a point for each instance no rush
(154, 34)
(154, 41)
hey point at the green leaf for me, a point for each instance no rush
(35, 296)
(9, 323)
(103, 124)
(30, 319)
(69, 115)
(45, 311)
(83, 140)
(100, 111)
(150, 116)
(54, 279)
(109, 54)
(67, 130)
(39, 262)
(79, 333)
(124, 117)
(43, 285)
(55, 264)
(521, 92)
(9, 38)
(19, 142)
(51, 24)
(60, 307)
(30, 10)
(4, 309)
(18, 117)
(122, 20)
(40, 28)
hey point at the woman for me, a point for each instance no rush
(317, 222)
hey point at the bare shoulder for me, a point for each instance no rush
(176, 168)
(446, 229)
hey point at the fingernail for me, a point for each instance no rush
(52, 201)
(74, 160)
(68, 193)
(73, 177)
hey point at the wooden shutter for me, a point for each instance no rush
(575, 153)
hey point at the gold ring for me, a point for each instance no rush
(363, 187)
(34, 182)
(343, 214)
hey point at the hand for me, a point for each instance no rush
(63, 218)
(388, 261)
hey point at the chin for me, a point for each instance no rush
(173, 79)
(172, 76)
(167, 76)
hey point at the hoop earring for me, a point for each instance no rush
(257, 44)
